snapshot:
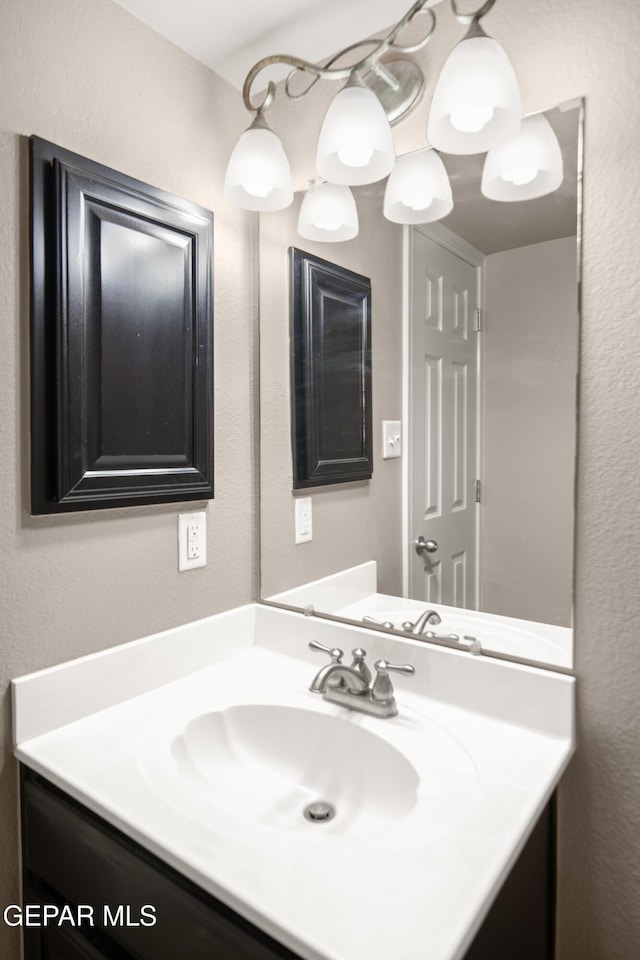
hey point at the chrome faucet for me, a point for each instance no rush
(426, 618)
(354, 689)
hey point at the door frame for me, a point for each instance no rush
(454, 244)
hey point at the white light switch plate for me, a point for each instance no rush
(391, 439)
(192, 540)
(304, 526)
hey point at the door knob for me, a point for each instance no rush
(425, 546)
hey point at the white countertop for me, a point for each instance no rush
(489, 741)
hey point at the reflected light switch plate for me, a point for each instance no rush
(391, 439)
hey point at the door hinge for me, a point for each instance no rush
(477, 490)
(478, 325)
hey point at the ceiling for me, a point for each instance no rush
(230, 37)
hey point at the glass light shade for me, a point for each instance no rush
(476, 103)
(527, 166)
(258, 175)
(418, 190)
(355, 144)
(328, 213)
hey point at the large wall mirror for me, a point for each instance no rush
(474, 519)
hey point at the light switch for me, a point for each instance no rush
(391, 439)
(304, 529)
(192, 540)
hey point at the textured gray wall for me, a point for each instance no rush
(88, 76)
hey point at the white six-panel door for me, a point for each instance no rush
(443, 458)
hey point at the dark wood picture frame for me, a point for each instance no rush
(121, 339)
(331, 372)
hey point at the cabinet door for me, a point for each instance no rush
(521, 923)
(61, 943)
(68, 850)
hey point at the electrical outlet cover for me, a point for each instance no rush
(303, 516)
(192, 540)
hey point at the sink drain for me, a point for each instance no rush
(319, 811)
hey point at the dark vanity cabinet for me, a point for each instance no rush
(71, 856)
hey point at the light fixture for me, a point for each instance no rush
(527, 166)
(355, 144)
(258, 175)
(475, 108)
(328, 213)
(476, 103)
(418, 190)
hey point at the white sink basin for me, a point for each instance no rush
(252, 756)
(267, 763)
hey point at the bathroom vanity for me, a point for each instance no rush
(73, 857)
(166, 780)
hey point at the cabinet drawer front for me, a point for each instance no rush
(86, 861)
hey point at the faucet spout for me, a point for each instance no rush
(426, 618)
(353, 681)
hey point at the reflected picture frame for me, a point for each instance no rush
(331, 390)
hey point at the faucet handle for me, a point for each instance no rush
(336, 655)
(334, 652)
(359, 665)
(383, 665)
(382, 686)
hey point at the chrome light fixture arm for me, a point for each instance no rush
(329, 72)
(468, 18)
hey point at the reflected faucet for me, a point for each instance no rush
(426, 618)
(353, 688)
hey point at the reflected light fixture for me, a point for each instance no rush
(418, 190)
(328, 213)
(475, 108)
(526, 166)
